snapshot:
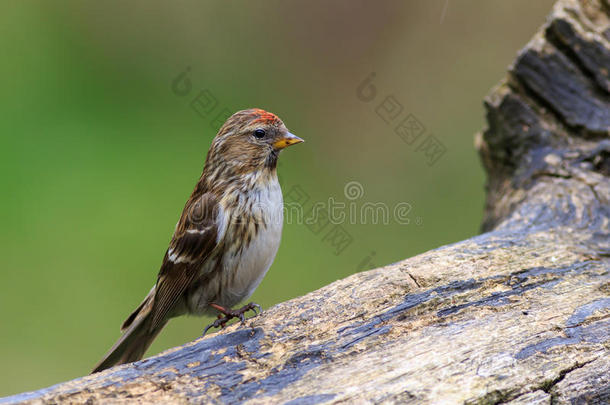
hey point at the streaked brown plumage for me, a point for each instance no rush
(226, 238)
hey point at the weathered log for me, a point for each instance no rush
(519, 314)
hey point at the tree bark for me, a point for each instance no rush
(519, 314)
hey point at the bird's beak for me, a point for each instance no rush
(287, 140)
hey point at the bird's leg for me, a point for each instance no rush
(231, 313)
(236, 313)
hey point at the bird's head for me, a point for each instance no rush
(251, 140)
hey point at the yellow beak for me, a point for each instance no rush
(287, 140)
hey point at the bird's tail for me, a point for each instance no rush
(137, 336)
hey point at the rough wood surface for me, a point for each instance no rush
(518, 315)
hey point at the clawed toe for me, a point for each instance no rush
(226, 315)
(220, 322)
(254, 307)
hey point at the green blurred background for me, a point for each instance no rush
(99, 154)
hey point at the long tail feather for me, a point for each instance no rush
(136, 339)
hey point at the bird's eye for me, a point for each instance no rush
(259, 133)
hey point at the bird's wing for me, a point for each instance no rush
(195, 238)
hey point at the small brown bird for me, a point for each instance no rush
(226, 239)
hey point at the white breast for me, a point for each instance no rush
(249, 267)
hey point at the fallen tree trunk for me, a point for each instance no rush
(519, 314)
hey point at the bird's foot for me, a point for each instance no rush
(227, 314)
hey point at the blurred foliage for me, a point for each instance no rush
(99, 155)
